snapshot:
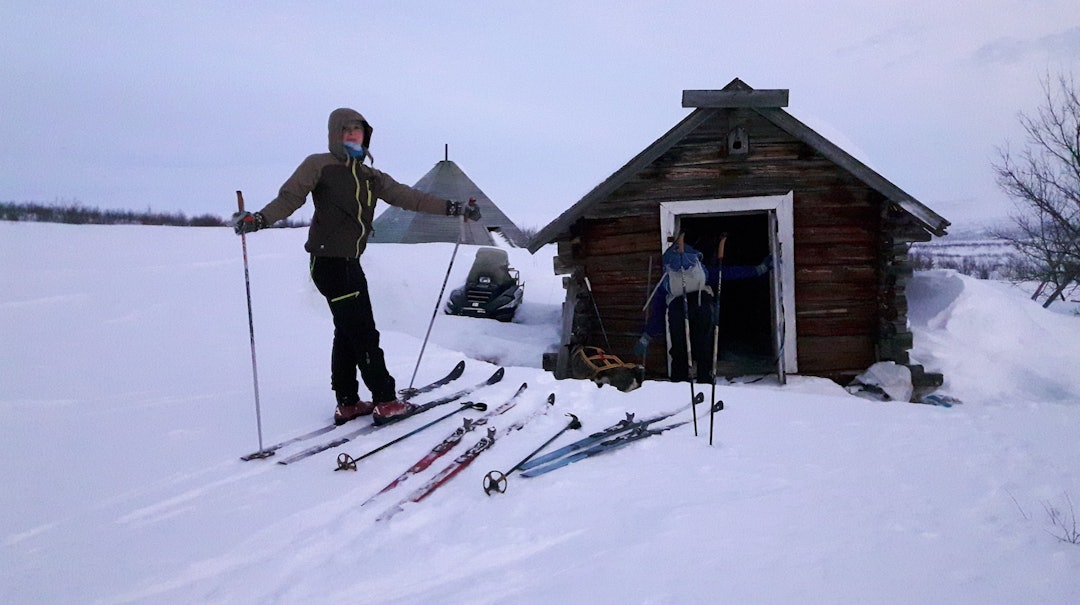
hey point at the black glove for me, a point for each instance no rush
(247, 222)
(470, 210)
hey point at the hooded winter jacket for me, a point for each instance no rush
(344, 191)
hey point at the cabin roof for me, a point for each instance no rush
(766, 103)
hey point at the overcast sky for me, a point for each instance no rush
(175, 105)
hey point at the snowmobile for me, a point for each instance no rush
(493, 288)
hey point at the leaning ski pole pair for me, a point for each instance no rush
(495, 481)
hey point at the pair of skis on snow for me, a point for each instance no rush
(454, 374)
(462, 461)
(616, 436)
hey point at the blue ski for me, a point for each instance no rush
(635, 434)
(619, 427)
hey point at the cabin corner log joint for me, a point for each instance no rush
(835, 302)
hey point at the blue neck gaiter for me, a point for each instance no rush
(356, 151)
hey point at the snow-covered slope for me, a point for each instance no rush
(126, 400)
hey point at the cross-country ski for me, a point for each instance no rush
(451, 441)
(269, 450)
(621, 426)
(371, 428)
(462, 462)
(636, 433)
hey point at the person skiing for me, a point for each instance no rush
(687, 290)
(343, 190)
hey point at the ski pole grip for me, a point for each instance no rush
(240, 200)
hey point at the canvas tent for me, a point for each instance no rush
(398, 226)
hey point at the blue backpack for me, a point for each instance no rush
(684, 272)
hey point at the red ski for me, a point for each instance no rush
(461, 462)
(448, 444)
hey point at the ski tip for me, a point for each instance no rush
(497, 376)
(551, 399)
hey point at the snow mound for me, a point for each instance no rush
(992, 343)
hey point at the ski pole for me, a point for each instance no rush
(461, 236)
(251, 332)
(599, 319)
(716, 330)
(346, 462)
(495, 481)
(690, 370)
(648, 281)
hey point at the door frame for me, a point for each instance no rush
(782, 244)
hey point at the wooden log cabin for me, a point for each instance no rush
(738, 163)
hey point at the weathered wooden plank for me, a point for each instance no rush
(568, 322)
(632, 225)
(628, 244)
(857, 256)
(840, 325)
(837, 354)
(735, 98)
(564, 266)
(839, 276)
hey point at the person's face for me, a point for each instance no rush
(353, 134)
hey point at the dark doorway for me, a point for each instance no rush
(746, 315)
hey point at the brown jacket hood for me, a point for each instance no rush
(339, 119)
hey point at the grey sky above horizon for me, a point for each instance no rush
(173, 106)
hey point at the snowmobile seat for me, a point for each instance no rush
(493, 264)
(492, 289)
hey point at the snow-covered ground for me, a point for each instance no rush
(126, 400)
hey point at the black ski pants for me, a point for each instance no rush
(356, 341)
(701, 313)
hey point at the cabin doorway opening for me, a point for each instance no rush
(745, 343)
(757, 318)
